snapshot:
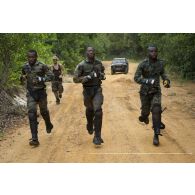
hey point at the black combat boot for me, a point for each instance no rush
(89, 115)
(98, 125)
(57, 101)
(60, 95)
(144, 119)
(49, 127)
(48, 124)
(34, 142)
(97, 140)
(156, 140)
(156, 136)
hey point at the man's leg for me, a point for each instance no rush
(89, 112)
(45, 112)
(55, 91)
(145, 108)
(97, 105)
(61, 89)
(57, 97)
(90, 115)
(32, 115)
(156, 117)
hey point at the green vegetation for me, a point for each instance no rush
(13, 49)
(178, 50)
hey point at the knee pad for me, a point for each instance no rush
(97, 107)
(89, 110)
(43, 113)
(32, 115)
(98, 112)
(156, 108)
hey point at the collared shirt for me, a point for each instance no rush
(37, 70)
(150, 70)
(85, 68)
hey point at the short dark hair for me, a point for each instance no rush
(90, 47)
(32, 51)
(152, 45)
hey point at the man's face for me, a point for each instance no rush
(90, 53)
(32, 58)
(152, 52)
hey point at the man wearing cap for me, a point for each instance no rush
(57, 86)
(148, 74)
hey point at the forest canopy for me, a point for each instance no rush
(178, 50)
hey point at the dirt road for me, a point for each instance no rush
(126, 139)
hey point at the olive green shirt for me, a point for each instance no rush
(31, 72)
(85, 68)
(149, 70)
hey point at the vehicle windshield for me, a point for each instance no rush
(119, 60)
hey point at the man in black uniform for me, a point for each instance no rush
(36, 74)
(90, 72)
(148, 74)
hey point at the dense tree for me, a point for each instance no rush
(70, 48)
(178, 50)
(13, 49)
(124, 45)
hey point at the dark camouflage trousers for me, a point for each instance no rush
(57, 86)
(39, 98)
(57, 89)
(148, 101)
(93, 100)
(33, 99)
